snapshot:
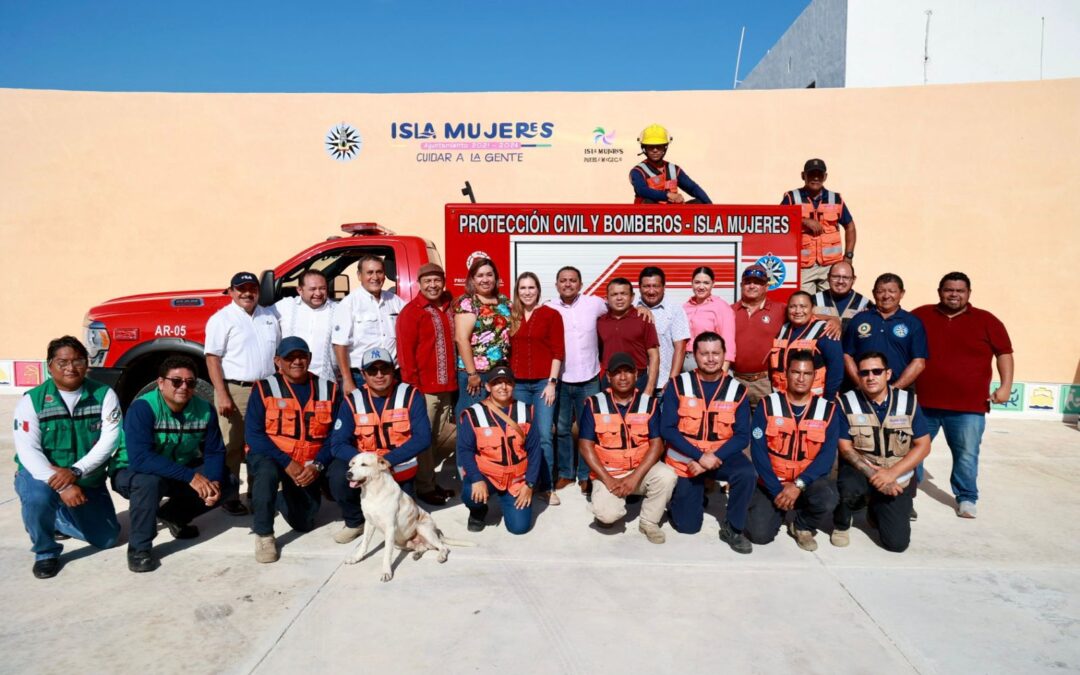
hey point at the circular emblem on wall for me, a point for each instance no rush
(474, 256)
(864, 329)
(900, 330)
(343, 142)
(777, 270)
(758, 433)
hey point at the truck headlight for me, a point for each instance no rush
(97, 342)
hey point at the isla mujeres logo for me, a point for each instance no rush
(503, 142)
(601, 136)
(777, 270)
(343, 142)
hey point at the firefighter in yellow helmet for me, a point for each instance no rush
(658, 182)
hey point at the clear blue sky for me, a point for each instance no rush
(382, 45)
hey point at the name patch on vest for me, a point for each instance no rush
(896, 421)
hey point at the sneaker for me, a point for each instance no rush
(966, 510)
(234, 507)
(735, 540)
(178, 531)
(47, 568)
(347, 534)
(266, 549)
(550, 497)
(839, 538)
(60, 536)
(434, 497)
(804, 538)
(651, 531)
(563, 482)
(141, 561)
(913, 516)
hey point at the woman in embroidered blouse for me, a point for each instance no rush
(706, 312)
(481, 331)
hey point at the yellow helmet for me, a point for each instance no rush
(654, 134)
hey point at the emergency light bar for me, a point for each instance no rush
(360, 229)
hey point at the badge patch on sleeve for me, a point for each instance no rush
(337, 425)
(758, 433)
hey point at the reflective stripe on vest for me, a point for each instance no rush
(705, 424)
(824, 305)
(658, 181)
(382, 433)
(67, 436)
(298, 432)
(883, 443)
(794, 443)
(621, 442)
(179, 436)
(782, 347)
(828, 247)
(500, 453)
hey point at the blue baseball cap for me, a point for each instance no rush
(376, 355)
(293, 344)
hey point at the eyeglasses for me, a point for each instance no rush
(837, 277)
(864, 372)
(381, 369)
(180, 382)
(74, 363)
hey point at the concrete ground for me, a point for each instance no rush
(998, 594)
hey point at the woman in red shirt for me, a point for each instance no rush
(537, 351)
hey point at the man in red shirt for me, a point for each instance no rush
(425, 350)
(623, 330)
(953, 387)
(757, 323)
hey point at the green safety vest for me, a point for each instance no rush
(66, 435)
(179, 436)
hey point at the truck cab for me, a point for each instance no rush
(129, 337)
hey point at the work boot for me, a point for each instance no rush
(141, 561)
(563, 482)
(651, 531)
(347, 534)
(266, 549)
(804, 538)
(586, 487)
(178, 531)
(234, 507)
(433, 497)
(60, 536)
(47, 568)
(839, 538)
(913, 516)
(735, 540)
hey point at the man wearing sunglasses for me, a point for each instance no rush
(175, 450)
(383, 416)
(66, 429)
(883, 437)
(287, 427)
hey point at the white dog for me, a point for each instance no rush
(388, 509)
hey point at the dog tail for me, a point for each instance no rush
(459, 542)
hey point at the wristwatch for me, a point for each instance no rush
(76, 471)
(531, 486)
(553, 380)
(801, 484)
(850, 255)
(318, 467)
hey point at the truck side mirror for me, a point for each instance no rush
(341, 286)
(267, 292)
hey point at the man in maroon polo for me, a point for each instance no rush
(757, 323)
(425, 351)
(953, 387)
(623, 330)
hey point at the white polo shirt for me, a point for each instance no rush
(313, 325)
(362, 322)
(245, 343)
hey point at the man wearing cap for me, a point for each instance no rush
(658, 182)
(240, 341)
(287, 427)
(310, 315)
(425, 348)
(672, 326)
(620, 439)
(499, 455)
(840, 302)
(382, 416)
(757, 323)
(174, 450)
(364, 320)
(623, 330)
(824, 214)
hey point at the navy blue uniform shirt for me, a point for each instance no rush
(901, 338)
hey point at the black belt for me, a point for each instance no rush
(240, 383)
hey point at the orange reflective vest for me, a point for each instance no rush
(706, 424)
(621, 441)
(787, 342)
(500, 453)
(665, 181)
(825, 248)
(794, 443)
(882, 443)
(824, 305)
(390, 430)
(298, 431)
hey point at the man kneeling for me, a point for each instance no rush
(619, 437)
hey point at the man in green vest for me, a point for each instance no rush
(175, 450)
(65, 432)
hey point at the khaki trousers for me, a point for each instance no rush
(440, 413)
(657, 487)
(757, 389)
(814, 278)
(232, 428)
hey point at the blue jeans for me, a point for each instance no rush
(44, 513)
(528, 391)
(465, 399)
(571, 400)
(518, 521)
(963, 433)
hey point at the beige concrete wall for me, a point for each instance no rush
(105, 194)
